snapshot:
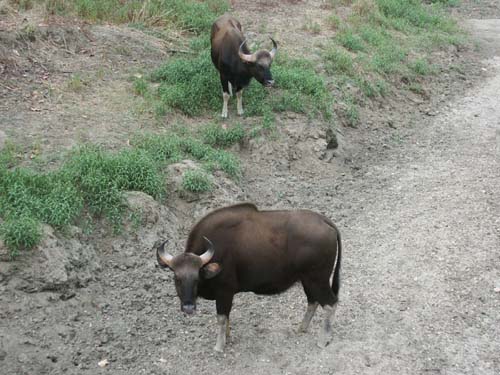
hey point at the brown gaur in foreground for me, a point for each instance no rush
(234, 61)
(241, 249)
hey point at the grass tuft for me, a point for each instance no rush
(215, 135)
(196, 181)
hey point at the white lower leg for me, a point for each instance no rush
(228, 330)
(225, 97)
(311, 309)
(223, 324)
(239, 97)
(326, 332)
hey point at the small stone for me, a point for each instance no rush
(497, 290)
(23, 358)
(103, 363)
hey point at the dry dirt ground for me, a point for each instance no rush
(418, 207)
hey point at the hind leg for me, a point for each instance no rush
(312, 306)
(318, 291)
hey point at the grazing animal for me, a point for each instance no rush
(234, 61)
(241, 249)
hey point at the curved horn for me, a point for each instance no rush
(243, 56)
(162, 256)
(209, 253)
(274, 50)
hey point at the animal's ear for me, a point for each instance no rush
(211, 270)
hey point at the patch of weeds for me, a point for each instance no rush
(140, 86)
(352, 112)
(215, 135)
(372, 49)
(416, 88)
(349, 40)
(189, 84)
(372, 89)
(190, 15)
(196, 181)
(311, 26)
(122, 50)
(334, 21)
(136, 218)
(338, 61)
(28, 32)
(9, 156)
(20, 233)
(76, 83)
(224, 161)
(421, 67)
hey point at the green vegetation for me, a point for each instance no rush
(196, 181)
(191, 85)
(383, 40)
(215, 135)
(92, 181)
(192, 15)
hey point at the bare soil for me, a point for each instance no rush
(414, 190)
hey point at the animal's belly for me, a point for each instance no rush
(272, 287)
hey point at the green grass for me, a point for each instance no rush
(191, 85)
(192, 15)
(196, 181)
(381, 42)
(215, 135)
(91, 181)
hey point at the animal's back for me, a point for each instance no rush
(226, 31)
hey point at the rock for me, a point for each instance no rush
(57, 264)
(145, 205)
(23, 358)
(103, 363)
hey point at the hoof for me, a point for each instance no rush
(218, 349)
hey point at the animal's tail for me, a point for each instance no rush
(336, 272)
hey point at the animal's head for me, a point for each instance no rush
(189, 269)
(260, 63)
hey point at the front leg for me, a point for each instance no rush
(239, 97)
(223, 305)
(225, 96)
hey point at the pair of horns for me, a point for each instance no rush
(165, 258)
(253, 57)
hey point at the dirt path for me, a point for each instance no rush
(421, 272)
(421, 228)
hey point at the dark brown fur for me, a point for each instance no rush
(226, 38)
(264, 252)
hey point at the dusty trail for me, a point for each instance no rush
(421, 275)
(421, 228)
